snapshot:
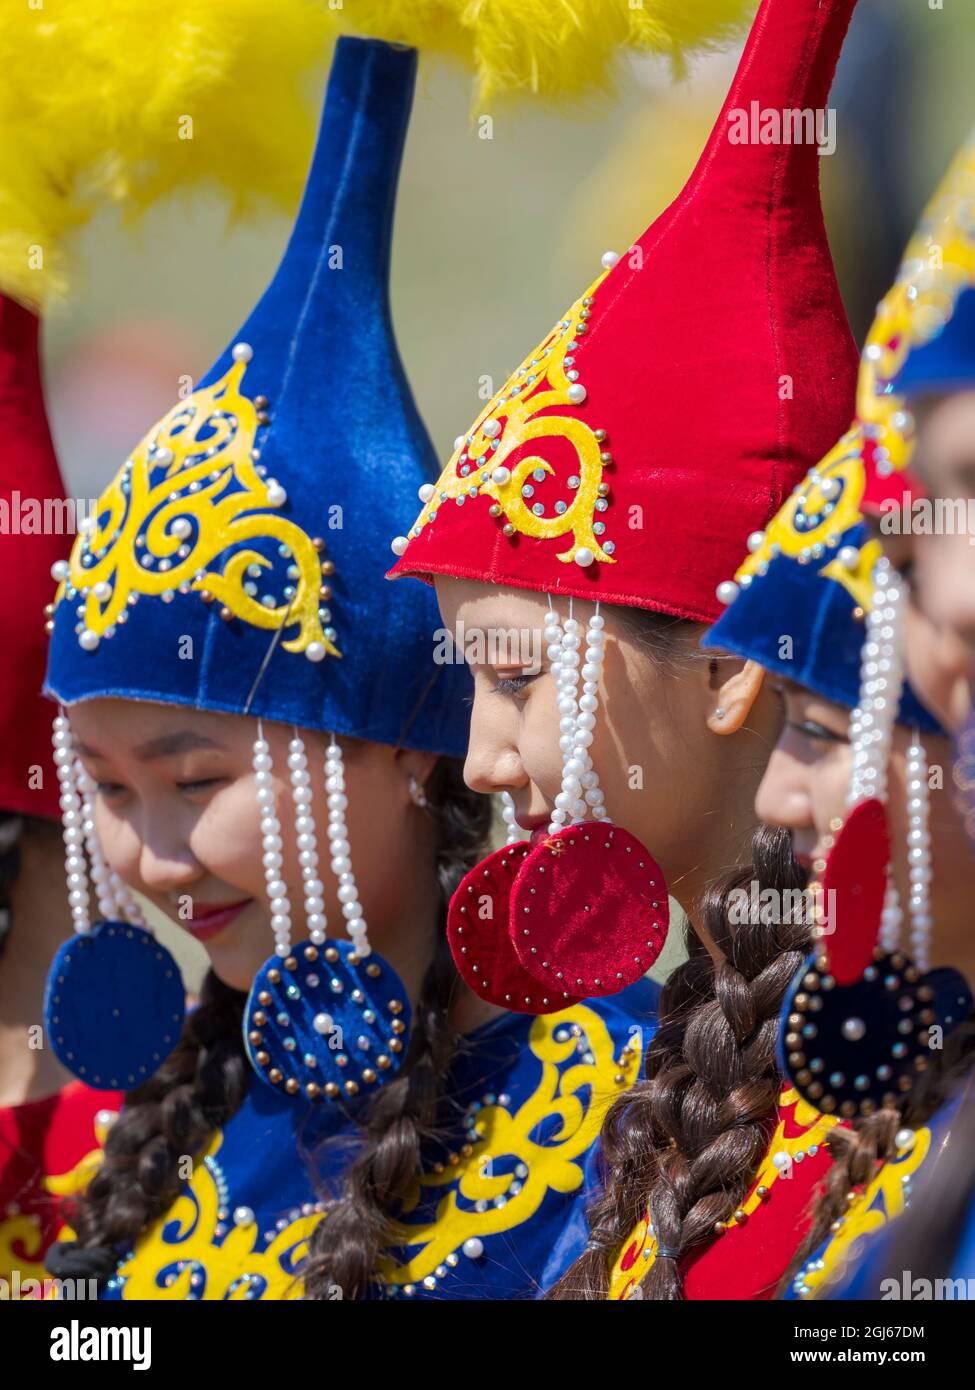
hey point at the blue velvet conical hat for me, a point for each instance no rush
(247, 532)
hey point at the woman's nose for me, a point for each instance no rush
(783, 796)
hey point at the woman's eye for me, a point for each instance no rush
(204, 784)
(514, 685)
(108, 789)
(816, 733)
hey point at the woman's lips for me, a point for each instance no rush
(208, 922)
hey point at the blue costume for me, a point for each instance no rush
(525, 1101)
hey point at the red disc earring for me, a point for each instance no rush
(478, 931)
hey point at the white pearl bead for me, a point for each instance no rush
(88, 640)
(727, 591)
(608, 260)
(473, 1247)
(426, 491)
(492, 428)
(501, 476)
(399, 544)
(242, 352)
(315, 651)
(577, 394)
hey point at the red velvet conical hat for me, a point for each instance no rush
(34, 533)
(690, 388)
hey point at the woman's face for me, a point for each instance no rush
(805, 785)
(660, 769)
(941, 623)
(177, 818)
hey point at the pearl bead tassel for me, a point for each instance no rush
(508, 815)
(580, 792)
(338, 839)
(881, 681)
(271, 844)
(72, 819)
(109, 907)
(919, 854)
(307, 841)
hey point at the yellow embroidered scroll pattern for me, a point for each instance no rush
(540, 384)
(576, 1093)
(807, 527)
(182, 1256)
(938, 264)
(189, 492)
(882, 1201)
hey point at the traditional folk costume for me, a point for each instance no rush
(66, 155)
(212, 534)
(47, 1145)
(626, 461)
(856, 1021)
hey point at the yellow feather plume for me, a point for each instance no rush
(128, 99)
(553, 48)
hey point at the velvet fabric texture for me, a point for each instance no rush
(688, 390)
(36, 527)
(799, 620)
(589, 910)
(854, 887)
(118, 1046)
(246, 519)
(370, 1013)
(496, 1184)
(846, 1048)
(947, 362)
(479, 932)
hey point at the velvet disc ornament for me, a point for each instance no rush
(326, 1022)
(479, 933)
(854, 1048)
(854, 886)
(114, 1005)
(589, 909)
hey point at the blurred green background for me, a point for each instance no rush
(495, 237)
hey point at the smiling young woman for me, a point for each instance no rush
(252, 738)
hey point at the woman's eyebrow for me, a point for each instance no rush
(165, 746)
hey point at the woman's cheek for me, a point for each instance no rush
(832, 776)
(227, 839)
(119, 843)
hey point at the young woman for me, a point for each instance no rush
(50, 1123)
(340, 1116)
(827, 615)
(590, 511)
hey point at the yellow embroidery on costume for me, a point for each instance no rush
(25, 1230)
(938, 264)
(542, 382)
(578, 1094)
(882, 1201)
(814, 1129)
(189, 492)
(181, 1256)
(808, 526)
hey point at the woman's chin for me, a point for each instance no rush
(235, 965)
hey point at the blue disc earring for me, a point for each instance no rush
(114, 1003)
(329, 1019)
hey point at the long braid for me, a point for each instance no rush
(689, 1139)
(347, 1242)
(174, 1114)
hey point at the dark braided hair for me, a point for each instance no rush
(204, 1081)
(348, 1240)
(688, 1140)
(11, 828)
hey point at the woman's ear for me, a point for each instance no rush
(734, 698)
(415, 769)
